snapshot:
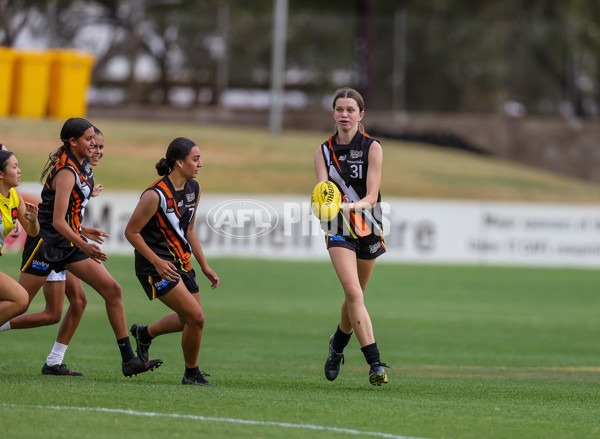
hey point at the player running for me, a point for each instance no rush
(13, 297)
(161, 230)
(60, 243)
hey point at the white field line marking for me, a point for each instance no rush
(212, 419)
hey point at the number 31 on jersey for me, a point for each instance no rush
(357, 171)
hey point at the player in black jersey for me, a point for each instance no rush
(67, 284)
(353, 160)
(61, 284)
(161, 230)
(60, 243)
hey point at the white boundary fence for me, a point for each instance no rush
(416, 231)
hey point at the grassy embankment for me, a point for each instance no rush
(250, 160)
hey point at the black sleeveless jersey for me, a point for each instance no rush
(80, 195)
(166, 232)
(347, 167)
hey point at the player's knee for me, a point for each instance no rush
(112, 292)
(79, 303)
(21, 303)
(53, 318)
(353, 294)
(197, 319)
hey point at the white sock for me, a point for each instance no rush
(5, 327)
(57, 354)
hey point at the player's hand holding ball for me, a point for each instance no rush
(325, 200)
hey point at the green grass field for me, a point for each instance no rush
(475, 352)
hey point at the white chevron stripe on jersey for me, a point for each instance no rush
(171, 217)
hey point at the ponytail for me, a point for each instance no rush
(53, 159)
(178, 149)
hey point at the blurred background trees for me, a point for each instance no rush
(514, 56)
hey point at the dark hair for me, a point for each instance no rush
(4, 156)
(178, 149)
(97, 130)
(348, 92)
(73, 128)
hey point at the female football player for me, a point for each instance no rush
(13, 297)
(62, 284)
(161, 230)
(353, 160)
(58, 285)
(60, 243)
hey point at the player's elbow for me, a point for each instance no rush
(128, 235)
(57, 224)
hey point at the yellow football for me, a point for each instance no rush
(325, 200)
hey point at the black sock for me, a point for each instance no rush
(189, 371)
(145, 335)
(125, 348)
(340, 340)
(371, 353)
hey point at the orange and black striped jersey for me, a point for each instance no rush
(347, 167)
(80, 195)
(166, 232)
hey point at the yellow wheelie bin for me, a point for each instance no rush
(31, 74)
(70, 77)
(7, 58)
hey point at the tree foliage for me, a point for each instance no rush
(407, 55)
